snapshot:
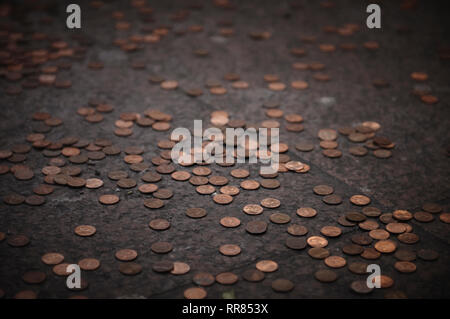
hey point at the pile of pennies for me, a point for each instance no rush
(376, 234)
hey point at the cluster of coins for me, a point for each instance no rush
(376, 234)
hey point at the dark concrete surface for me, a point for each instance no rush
(418, 171)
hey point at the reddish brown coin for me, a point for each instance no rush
(230, 250)
(335, 261)
(385, 246)
(267, 266)
(227, 278)
(52, 258)
(126, 254)
(159, 224)
(195, 293)
(307, 212)
(108, 199)
(85, 230)
(89, 264)
(230, 222)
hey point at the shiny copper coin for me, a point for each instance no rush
(126, 254)
(360, 200)
(205, 189)
(85, 230)
(396, 228)
(230, 250)
(108, 199)
(240, 173)
(385, 246)
(153, 203)
(222, 199)
(379, 234)
(52, 258)
(253, 209)
(89, 264)
(317, 242)
(270, 203)
(159, 224)
(445, 218)
(331, 231)
(335, 261)
(230, 222)
(93, 183)
(267, 266)
(402, 215)
(307, 212)
(61, 270)
(180, 268)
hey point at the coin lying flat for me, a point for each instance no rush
(282, 285)
(195, 293)
(126, 254)
(267, 266)
(325, 276)
(230, 250)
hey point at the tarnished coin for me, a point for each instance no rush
(360, 287)
(352, 249)
(130, 269)
(355, 217)
(227, 278)
(270, 183)
(332, 199)
(379, 234)
(240, 173)
(203, 279)
(250, 184)
(253, 275)
(405, 266)
(181, 175)
(161, 247)
(427, 254)
(148, 188)
(408, 238)
(432, 208)
(318, 252)
(368, 225)
(61, 270)
(296, 243)
(256, 227)
(307, 212)
(267, 266)
(34, 277)
(358, 268)
(405, 255)
(370, 211)
(162, 266)
(282, 285)
(362, 239)
(229, 190)
(396, 228)
(423, 217)
(402, 215)
(326, 275)
(370, 253)
(126, 254)
(297, 230)
(230, 250)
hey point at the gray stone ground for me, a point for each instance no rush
(417, 173)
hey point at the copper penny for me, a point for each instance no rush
(18, 240)
(196, 212)
(405, 255)
(89, 264)
(317, 241)
(159, 224)
(423, 217)
(93, 183)
(227, 278)
(325, 275)
(323, 190)
(358, 268)
(405, 266)
(370, 253)
(332, 199)
(296, 243)
(153, 203)
(230, 222)
(270, 203)
(352, 249)
(205, 189)
(432, 208)
(335, 261)
(85, 230)
(130, 269)
(253, 209)
(180, 268)
(253, 275)
(379, 234)
(385, 246)
(282, 285)
(195, 293)
(280, 218)
(368, 225)
(126, 254)
(108, 199)
(229, 190)
(297, 230)
(307, 212)
(402, 215)
(360, 287)
(360, 200)
(161, 247)
(408, 238)
(267, 266)
(318, 253)
(256, 227)
(34, 277)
